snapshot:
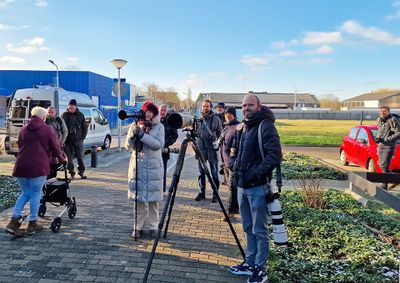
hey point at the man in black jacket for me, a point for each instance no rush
(388, 134)
(227, 138)
(77, 131)
(210, 131)
(253, 174)
(171, 136)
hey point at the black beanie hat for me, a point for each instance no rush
(231, 110)
(72, 102)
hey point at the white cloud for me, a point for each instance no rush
(320, 60)
(279, 44)
(396, 15)
(5, 3)
(371, 33)
(72, 59)
(254, 61)
(6, 27)
(242, 77)
(28, 46)
(192, 81)
(312, 37)
(41, 3)
(12, 60)
(217, 74)
(324, 49)
(287, 53)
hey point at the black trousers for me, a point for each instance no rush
(72, 150)
(385, 154)
(233, 206)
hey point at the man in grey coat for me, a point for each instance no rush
(211, 129)
(388, 134)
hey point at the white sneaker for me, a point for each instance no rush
(134, 233)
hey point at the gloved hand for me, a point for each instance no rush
(139, 132)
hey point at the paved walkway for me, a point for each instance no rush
(96, 246)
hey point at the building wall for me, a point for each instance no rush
(89, 83)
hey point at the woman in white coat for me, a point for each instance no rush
(148, 135)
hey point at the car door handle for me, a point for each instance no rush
(94, 126)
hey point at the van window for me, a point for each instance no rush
(97, 116)
(21, 107)
(87, 113)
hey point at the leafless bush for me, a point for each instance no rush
(313, 192)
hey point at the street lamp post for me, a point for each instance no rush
(57, 79)
(119, 63)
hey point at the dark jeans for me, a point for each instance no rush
(165, 161)
(233, 206)
(202, 177)
(73, 150)
(385, 154)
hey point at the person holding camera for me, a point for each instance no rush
(171, 135)
(37, 143)
(252, 176)
(227, 137)
(210, 131)
(77, 131)
(388, 134)
(146, 138)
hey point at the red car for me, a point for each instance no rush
(359, 147)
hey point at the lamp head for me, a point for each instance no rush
(119, 63)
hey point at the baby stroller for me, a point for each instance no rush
(56, 192)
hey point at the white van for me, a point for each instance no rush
(23, 100)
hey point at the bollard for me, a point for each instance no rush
(93, 160)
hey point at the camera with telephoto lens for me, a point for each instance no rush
(137, 114)
(170, 150)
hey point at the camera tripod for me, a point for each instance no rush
(169, 203)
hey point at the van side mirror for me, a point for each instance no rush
(105, 121)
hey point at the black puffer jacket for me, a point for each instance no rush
(257, 171)
(388, 130)
(76, 124)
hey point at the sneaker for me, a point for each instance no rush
(13, 226)
(259, 276)
(33, 227)
(139, 232)
(241, 269)
(214, 199)
(199, 197)
(83, 176)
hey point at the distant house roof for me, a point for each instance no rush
(373, 96)
(265, 97)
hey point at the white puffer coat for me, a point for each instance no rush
(150, 165)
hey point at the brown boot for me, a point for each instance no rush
(33, 227)
(13, 226)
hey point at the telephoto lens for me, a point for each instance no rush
(279, 230)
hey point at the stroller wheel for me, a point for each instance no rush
(72, 211)
(42, 210)
(56, 224)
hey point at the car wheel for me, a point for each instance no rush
(106, 143)
(371, 166)
(343, 158)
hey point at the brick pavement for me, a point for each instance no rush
(96, 246)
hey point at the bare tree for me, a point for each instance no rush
(329, 101)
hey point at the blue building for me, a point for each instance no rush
(98, 87)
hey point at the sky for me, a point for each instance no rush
(320, 47)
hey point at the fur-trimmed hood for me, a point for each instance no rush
(156, 120)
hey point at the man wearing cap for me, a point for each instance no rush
(219, 111)
(77, 131)
(227, 137)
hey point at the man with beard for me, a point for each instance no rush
(388, 134)
(171, 135)
(253, 174)
(210, 131)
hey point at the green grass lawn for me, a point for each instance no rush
(315, 132)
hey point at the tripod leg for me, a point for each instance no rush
(170, 208)
(168, 204)
(214, 188)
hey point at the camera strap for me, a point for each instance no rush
(278, 168)
(208, 128)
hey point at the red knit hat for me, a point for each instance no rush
(149, 106)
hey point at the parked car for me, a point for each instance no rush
(359, 147)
